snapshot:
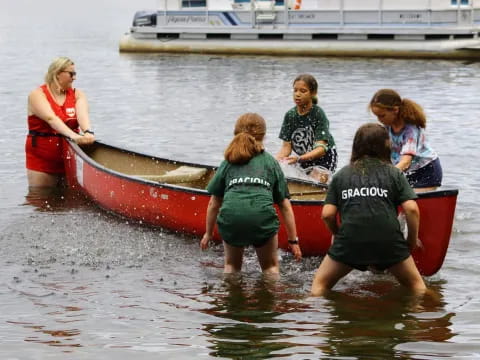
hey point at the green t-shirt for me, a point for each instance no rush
(247, 215)
(367, 196)
(302, 131)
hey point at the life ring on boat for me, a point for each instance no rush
(298, 5)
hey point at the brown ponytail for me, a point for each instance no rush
(412, 113)
(249, 131)
(408, 110)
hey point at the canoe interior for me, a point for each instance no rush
(194, 176)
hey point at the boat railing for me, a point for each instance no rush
(258, 14)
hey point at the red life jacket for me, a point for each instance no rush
(66, 112)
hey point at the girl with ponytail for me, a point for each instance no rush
(243, 192)
(406, 122)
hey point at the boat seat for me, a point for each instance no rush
(182, 174)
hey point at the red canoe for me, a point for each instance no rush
(172, 194)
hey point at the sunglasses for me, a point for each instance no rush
(72, 73)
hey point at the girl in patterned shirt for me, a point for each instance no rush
(406, 121)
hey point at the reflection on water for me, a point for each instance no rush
(268, 319)
(61, 338)
(381, 318)
(253, 309)
(56, 199)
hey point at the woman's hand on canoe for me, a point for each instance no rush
(205, 240)
(86, 139)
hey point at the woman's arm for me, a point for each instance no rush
(289, 219)
(412, 215)
(81, 107)
(212, 212)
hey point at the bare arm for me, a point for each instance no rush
(289, 219)
(39, 106)
(284, 151)
(329, 217)
(412, 215)
(405, 162)
(316, 153)
(212, 212)
(83, 117)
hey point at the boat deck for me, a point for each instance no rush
(384, 28)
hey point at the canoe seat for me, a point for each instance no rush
(181, 174)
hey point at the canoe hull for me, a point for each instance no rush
(143, 201)
(183, 209)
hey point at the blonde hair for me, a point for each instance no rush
(409, 111)
(58, 65)
(250, 130)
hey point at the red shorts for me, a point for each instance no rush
(47, 154)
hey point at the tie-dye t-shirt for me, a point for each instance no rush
(411, 141)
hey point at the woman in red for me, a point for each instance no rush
(55, 109)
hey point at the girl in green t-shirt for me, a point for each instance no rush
(366, 194)
(244, 189)
(305, 130)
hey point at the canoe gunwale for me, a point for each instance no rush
(85, 157)
(441, 192)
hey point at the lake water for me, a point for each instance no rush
(79, 283)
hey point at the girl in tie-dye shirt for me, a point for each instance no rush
(406, 121)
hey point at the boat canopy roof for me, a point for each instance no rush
(319, 4)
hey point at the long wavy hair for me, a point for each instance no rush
(408, 110)
(371, 140)
(249, 132)
(58, 65)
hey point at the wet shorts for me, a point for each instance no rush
(44, 153)
(428, 176)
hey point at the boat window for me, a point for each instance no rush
(194, 3)
(462, 2)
